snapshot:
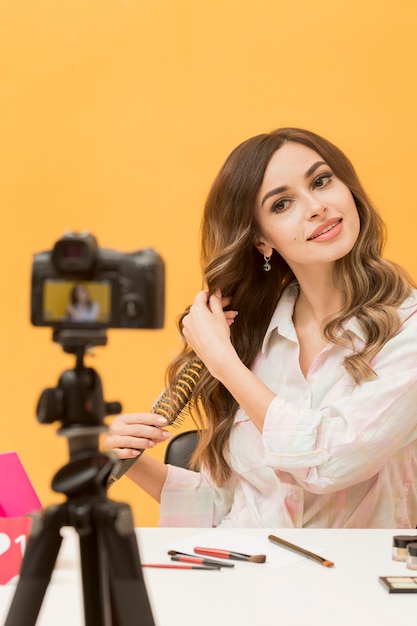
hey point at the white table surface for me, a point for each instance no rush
(302, 592)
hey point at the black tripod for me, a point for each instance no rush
(114, 590)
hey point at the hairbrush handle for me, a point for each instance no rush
(170, 404)
(121, 467)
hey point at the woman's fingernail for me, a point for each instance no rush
(162, 420)
(167, 434)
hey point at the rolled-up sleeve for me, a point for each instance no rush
(190, 499)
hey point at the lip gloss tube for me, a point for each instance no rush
(399, 546)
(411, 560)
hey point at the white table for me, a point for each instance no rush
(251, 594)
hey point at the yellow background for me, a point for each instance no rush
(115, 116)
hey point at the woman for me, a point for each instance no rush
(80, 307)
(309, 340)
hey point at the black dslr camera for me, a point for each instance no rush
(78, 286)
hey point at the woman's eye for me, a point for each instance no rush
(280, 205)
(322, 180)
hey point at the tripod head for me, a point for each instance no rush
(78, 403)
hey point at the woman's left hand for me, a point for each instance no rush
(206, 328)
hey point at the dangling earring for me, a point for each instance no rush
(267, 265)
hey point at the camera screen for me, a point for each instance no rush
(78, 302)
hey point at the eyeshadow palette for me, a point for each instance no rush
(399, 584)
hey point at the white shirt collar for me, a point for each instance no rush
(281, 320)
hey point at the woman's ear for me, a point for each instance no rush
(264, 248)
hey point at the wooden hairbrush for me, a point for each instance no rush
(171, 404)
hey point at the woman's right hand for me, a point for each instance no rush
(131, 432)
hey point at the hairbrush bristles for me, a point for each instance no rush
(171, 404)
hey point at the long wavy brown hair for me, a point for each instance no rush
(372, 287)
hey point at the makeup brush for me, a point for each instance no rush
(175, 566)
(227, 554)
(197, 561)
(299, 550)
(191, 558)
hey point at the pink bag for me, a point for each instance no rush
(18, 500)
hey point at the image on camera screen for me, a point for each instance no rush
(78, 302)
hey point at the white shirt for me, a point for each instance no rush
(332, 453)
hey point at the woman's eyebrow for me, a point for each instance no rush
(313, 168)
(274, 192)
(278, 190)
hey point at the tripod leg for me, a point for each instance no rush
(37, 567)
(129, 599)
(94, 570)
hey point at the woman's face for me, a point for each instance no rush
(81, 294)
(303, 210)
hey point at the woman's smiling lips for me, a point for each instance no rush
(326, 231)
